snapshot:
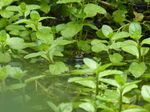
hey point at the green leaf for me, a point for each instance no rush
(16, 43)
(67, 1)
(15, 27)
(34, 15)
(6, 13)
(115, 58)
(34, 78)
(88, 82)
(6, 2)
(53, 106)
(128, 87)
(109, 81)
(120, 35)
(146, 92)
(100, 34)
(16, 86)
(92, 9)
(83, 45)
(72, 29)
(120, 80)
(132, 50)
(31, 55)
(144, 50)
(119, 16)
(87, 106)
(90, 63)
(98, 46)
(146, 41)
(137, 69)
(135, 30)
(5, 57)
(107, 30)
(58, 68)
(136, 110)
(91, 25)
(82, 72)
(3, 36)
(109, 72)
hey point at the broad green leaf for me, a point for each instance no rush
(144, 50)
(34, 15)
(128, 87)
(98, 46)
(5, 57)
(15, 27)
(115, 58)
(65, 107)
(72, 29)
(136, 110)
(53, 106)
(6, 13)
(107, 30)
(45, 8)
(119, 16)
(3, 36)
(137, 69)
(6, 2)
(102, 67)
(88, 82)
(135, 30)
(92, 9)
(87, 106)
(105, 108)
(109, 72)
(65, 42)
(58, 68)
(100, 34)
(146, 41)
(90, 63)
(132, 50)
(34, 78)
(83, 45)
(67, 1)
(31, 55)
(109, 81)
(120, 80)
(91, 25)
(16, 43)
(146, 92)
(129, 43)
(16, 86)
(120, 35)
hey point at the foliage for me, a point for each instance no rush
(74, 55)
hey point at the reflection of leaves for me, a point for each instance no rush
(58, 68)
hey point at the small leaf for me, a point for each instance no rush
(5, 57)
(115, 58)
(3, 74)
(72, 29)
(31, 55)
(109, 72)
(135, 30)
(120, 35)
(128, 87)
(65, 107)
(146, 92)
(83, 45)
(34, 15)
(107, 30)
(109, 81)
(90, 63)
(34, 78)
(87, 106)
(146, 41)
(3, 36)
(137, 69)
(67, 1)
(92, 9)
(119, 16)
(6, 13)
(132, 50)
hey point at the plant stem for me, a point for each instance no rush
(120, 101)
(97, 82)
(139, 50)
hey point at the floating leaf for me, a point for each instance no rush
(137, 69)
